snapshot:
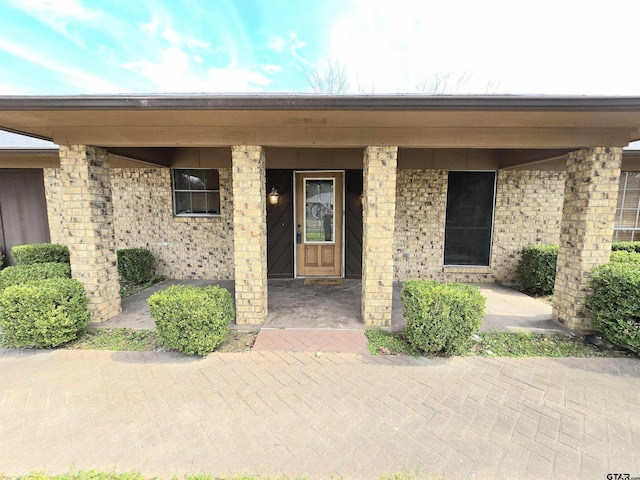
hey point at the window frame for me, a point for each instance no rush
(622, 193)
(174, 190)
(491, 228)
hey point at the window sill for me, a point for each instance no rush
(197, 215)
(466, 269)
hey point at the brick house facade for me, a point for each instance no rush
(452, 196)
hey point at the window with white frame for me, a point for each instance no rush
(469, 218)
(196, 192)
(626, 227)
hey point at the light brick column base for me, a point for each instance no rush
(89, 232)
(250, 233)
(590, 196)
(378, 225)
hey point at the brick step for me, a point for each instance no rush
(311, 340)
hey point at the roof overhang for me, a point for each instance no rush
(505, 122)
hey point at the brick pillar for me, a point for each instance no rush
(378, 224)
(89, 231)
(250, 233)
(590, 195)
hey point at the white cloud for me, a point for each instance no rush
(9, 90)
(152, 26)
(543, 47)
(276, 44)
(85, 82)
(272, 69)
(58, 14)
(173, 72)
(168, 33)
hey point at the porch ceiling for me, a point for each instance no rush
(511, 122)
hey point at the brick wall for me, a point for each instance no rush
(55, 207)
(528, 210)
(184, 247)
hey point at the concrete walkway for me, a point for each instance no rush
(293, 305)
(342, 415)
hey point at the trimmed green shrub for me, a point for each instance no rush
(626, 246)
(135, 265)
(190, 319)
(441, 317)
(20, 274)
(1, 260)
(40, 253)
(615, 303)
(44, 313)
(625, 256)
(536, 271)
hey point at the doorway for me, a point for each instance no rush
(319, 223)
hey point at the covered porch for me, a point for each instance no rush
(244, 136)
(293, 305)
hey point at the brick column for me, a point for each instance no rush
(590, 195)
(378, 224)
(250, 233)
(89, 231)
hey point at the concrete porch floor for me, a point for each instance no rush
(293, 305)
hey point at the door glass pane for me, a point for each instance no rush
(319, 222)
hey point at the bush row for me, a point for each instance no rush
(536, 270)
(134, 264)
(40, 253)
(41, 306)
(441, 317)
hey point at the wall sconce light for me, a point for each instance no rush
(361, 197)
(273, 196)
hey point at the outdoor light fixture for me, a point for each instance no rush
(361, 198)
(273, 196)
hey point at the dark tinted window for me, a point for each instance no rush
(467, 237)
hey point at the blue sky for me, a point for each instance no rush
(385, 46)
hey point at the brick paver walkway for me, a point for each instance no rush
(300, 414)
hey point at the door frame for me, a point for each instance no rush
(295, 216)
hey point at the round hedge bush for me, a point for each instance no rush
(441, 317)
(190, 319)
(43, 313)
(614, 303)
(29, 273)
(536, 270)
(135, 264)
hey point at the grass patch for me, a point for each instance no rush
(500, 344)
(388, 343)
(116, 339)
(129, 288)
(523, 344)
(130, 340)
